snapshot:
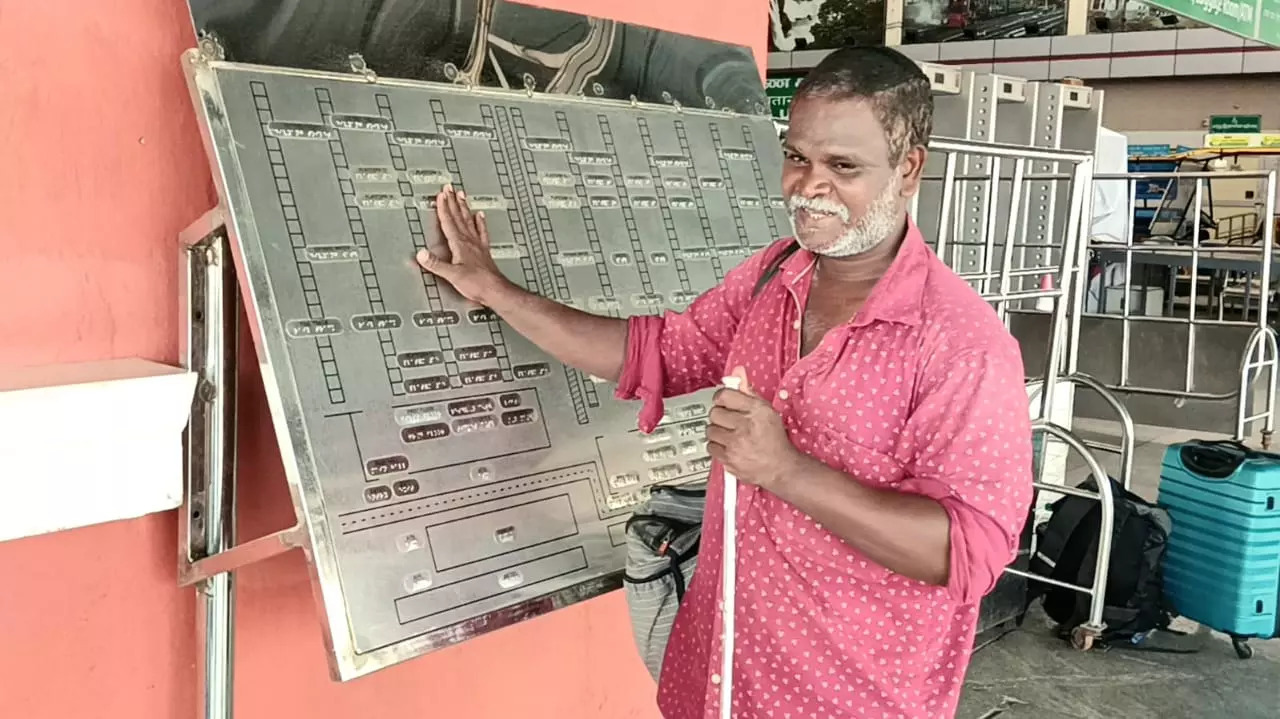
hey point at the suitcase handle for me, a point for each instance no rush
(1218, 459)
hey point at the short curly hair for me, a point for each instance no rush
(894, 85)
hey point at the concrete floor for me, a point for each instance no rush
(1031, 673)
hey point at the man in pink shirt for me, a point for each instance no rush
(882, 435)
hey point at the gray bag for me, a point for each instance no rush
(662, 551)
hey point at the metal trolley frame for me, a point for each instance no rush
(1207, 360)
(1012, 268)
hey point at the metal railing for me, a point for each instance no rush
(988, 238)
(1240, 277)
(1237, 229)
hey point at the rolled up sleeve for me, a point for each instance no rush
(677, 353)
(971, 433)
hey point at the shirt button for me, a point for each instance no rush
(795, 325)
(783, 394)
(715, 678)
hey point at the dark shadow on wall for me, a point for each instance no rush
(490, 42)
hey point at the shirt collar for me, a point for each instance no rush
(899, 294)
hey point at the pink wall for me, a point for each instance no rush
(100, 167)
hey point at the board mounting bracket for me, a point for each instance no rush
(211, 306)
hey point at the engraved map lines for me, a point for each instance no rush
(380, 320)
(708, 236)
(316, 318)
(437, 314)
(461, 477)
(511, 184)
(773, 204)
(628, 214)
(455, 175)
(608, 303)
(547, 250)
(525, 213)
(529, 198)
(664, 206)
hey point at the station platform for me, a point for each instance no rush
(1031, 673)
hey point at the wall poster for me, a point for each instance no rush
(929, 21)
(824, 24)
(1134, 16)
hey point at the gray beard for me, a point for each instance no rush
(864, 234)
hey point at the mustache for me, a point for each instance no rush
(817, 204)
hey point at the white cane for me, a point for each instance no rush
(728, 577)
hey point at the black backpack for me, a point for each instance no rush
(1067, 551)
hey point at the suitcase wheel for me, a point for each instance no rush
(1241, 645)
(1082, 638)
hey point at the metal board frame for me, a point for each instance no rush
(302, 461)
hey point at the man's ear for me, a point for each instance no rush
(912, 169)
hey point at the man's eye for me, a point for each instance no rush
(844, 167)
(792, 157)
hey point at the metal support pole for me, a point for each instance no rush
(1264, 308)
(207, 522)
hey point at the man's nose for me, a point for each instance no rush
(814, 183)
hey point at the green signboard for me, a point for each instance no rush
(780, 91)
(1253, 19)
(1232, 124)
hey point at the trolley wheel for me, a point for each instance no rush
(1242, 647)
(1082, 639)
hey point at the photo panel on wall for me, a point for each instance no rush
(825, 24)
(1134, 16)
(930, 21)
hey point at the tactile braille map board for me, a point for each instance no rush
(455, 477)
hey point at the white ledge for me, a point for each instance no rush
(90, 442)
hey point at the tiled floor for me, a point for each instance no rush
(1030, 673)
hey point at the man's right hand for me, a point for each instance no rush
(593, 343)
(470, 267)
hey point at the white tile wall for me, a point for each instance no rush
(1266, 61)
(1022, 47)
(924, 52)
(1038, 70)
(1090, 68)
(1153, 41)
(1081, 44)
(1206, 38)
(1217, 63)
(1142, 66)
(967, 51)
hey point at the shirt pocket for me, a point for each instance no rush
(870, 464)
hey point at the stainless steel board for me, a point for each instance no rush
(453, 478)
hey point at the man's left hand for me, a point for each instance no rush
(748, 437)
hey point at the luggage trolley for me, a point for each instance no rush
(1213, 342)
(1083, 636)
(1039, 275)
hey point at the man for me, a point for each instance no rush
(882, 433)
